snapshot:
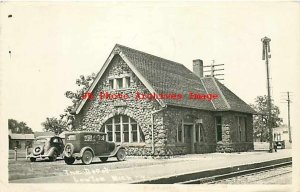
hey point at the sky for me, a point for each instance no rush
(52, 44)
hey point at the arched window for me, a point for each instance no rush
(124, 129)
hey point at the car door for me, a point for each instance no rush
(61, 145)
(100, 145)
(89, 141)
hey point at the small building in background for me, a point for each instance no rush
(37, 134)
(20, 140)
(281, 134)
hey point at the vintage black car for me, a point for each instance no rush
(46, 147)
(85, 145)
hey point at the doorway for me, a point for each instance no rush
(188, 138)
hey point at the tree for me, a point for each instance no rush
(260, 121)
(18, 127)
(54, 125)
(83, 83)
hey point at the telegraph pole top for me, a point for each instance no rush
(265, 39)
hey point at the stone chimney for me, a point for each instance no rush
(198, 67)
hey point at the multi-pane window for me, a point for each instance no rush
(111, 84)
(125, 121)
(242, 128)
(134, 132)
(123, 129)
(117, 128)
(127, 82)
(179, 132)
(219, 128)
(109, 130)
(277, 137)
(199, 132)
(119, 83)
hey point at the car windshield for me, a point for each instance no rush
(41, 140)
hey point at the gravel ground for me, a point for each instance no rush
(281, 175)
(23, 168)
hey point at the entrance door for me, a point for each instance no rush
(188, 138)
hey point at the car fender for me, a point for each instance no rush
(118, 147)
(51, 151)
(85, 148)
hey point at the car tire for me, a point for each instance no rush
(32, 159)
(53, 157)
(121, 155)
(69, 160)
(103, 159)
(87, 157)
(68, 150)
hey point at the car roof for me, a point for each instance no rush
(45, 137)
(84, 132)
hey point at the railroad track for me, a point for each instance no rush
(240, 175)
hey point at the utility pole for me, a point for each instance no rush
(266, 56)
(9, 51)
(213, 69)
(288, 101)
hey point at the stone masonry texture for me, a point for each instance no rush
(95, 113)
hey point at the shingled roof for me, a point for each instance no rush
(165, 76)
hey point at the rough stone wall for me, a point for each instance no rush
(95, 112)
(173, 116)
(230, 137)
(250, 129)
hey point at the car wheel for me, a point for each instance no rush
(69, 160)
(87, 157)
(69, 149)
(32, 159)
(54, 156)
(103, 159)
(121, 155)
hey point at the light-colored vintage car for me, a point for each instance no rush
(85, 145)
(46, 147)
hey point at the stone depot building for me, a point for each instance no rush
(161, 126)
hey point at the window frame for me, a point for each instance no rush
(179, 127)
(130, 122)
(111, 84)
(114, 82)
(242, 128)
(221, 127)
(118, 81)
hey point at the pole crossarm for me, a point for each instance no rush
(213, 69)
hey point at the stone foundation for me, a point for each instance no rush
(234, 147)
(205, 148)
